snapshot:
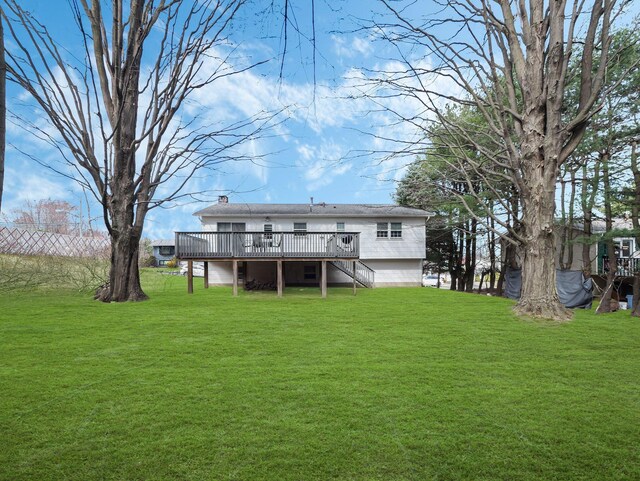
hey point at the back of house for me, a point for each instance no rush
(380, 244)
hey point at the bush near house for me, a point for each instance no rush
(392, 384)
(148, 261)
(172, 263)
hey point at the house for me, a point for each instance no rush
(163, 251)
(308, 244)
(627, 252)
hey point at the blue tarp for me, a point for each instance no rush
(573, 289)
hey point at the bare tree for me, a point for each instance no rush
(3, 108)
(47, 215)
(119, 112)
(635, 219)
(511, 62)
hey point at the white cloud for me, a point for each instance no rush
(358, 46)
(320, 165)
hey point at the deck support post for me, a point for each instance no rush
(323, 281)
(190, 276)
(235, 277)
(354, 278)
(280, 280)
(206, 275)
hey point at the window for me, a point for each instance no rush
(167, 250)
(396, 229)
(340, 227)
(231, 227)
(268, 231)
(300, 228)
(310, 272)
(384, 230)
(625, 250)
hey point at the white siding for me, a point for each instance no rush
(397, 272)
(388, 272)
(220, 273)
(397, 261)
(410, 246)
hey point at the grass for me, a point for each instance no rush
(393, 384)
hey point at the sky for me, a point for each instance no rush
(319, 148)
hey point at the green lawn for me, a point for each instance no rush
(393, 384)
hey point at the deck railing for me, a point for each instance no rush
(364, 274)
(627, 266)
(239, 245)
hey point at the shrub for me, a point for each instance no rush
(30, 272)
(172, 263)
(148, 261)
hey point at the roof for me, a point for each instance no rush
(163, 243)
(308, 210)
(598, 226)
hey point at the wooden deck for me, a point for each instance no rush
(341, 248)
(267, 245)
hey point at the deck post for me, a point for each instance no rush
(354, 278)
(206, 275)
(280, 279)
(235, 277)
(323, 281)
(190, 276)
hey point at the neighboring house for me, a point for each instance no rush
(627, 252)
(383, 244)
(163, 251)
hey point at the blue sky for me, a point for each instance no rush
(318, 150)
(314, 152)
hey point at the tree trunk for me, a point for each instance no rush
(588, 201)
(607, 295)
(605, 301)
(635, 221)
(125, 215)
(470, 255)
(124, 276)
(586, 246)
(538, 296)
(492, 255)
(459, 264)
(500, 285)
(564, 226)
(565, 257)
(540, 154)
(635, 307)
(3, 109)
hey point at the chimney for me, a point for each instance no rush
(311, 205)
(223, 199)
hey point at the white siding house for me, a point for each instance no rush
(385, 243)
